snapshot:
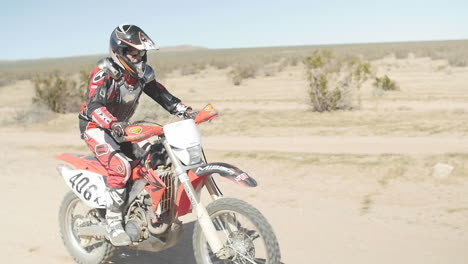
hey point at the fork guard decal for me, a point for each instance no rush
(228, 171)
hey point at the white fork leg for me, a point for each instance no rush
(203, 218)
(213, 190)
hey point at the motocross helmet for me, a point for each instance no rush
(126, 37)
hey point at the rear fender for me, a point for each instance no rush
(88, 186)
(227, 171)
(82, 162)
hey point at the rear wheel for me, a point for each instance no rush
(242, 229)
(75, 213)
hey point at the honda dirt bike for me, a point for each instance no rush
(164, 185)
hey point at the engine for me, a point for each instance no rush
(137, 224)
(142, 221)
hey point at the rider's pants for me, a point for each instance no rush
(109, 153)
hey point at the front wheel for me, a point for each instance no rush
(242, 229)
(73, 214)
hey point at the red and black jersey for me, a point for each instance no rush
(110, 99)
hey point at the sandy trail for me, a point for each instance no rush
(341, 144)
(303, 144)
(317, 218)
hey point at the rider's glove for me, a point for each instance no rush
(118, 128)
(182, 111)
(190, 114)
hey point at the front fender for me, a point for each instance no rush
(228, 171)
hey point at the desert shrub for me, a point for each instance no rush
(61, 94)
(457, 61)
(7, 79)
(236, 79)
(270, 70)
(191, 69)
(334, 81)
(5, 82)
(293, 60)
(219, 64)
(401, 54)
(385, 83)
(242, 71)
(32, 114)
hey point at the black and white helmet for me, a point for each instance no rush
(130, 36)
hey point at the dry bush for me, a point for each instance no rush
(334, 81)
(386, 84)
(61, 94)
(270, 70)
(293, 60)
(189, 70)
(4, 82)
(401, 54)
(219, 64)
(457, 61)
(242, 71)
(32, 114)
(192, 69)
(7, 79)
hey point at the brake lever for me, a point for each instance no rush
(118, 139)
(190, 115)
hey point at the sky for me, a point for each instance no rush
(34, 29)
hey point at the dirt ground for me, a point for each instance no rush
(347, 190)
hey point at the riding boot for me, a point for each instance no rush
(115, 200)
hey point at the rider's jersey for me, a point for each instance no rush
(112, 96)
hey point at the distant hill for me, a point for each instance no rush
(182, 48)
(175, 57)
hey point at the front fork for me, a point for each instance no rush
(212, 188)
(202, 214)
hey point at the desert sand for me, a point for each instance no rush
(347, 187)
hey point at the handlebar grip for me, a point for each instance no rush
(118, 139)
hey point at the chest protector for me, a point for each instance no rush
(123, 95)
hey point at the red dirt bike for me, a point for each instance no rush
(165, 185)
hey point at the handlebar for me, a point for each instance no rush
(141, 131)
(118, 139)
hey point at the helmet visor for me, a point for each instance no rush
(138, 40)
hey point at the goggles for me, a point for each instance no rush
(135, 52)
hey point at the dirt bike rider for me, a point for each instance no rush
(114, 88)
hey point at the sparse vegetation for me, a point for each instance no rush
(219, 64)
(6, 79)
(457, 61)
(270, 70)
(385, 83)
(240, 72)
(192, 69)
(333, 81)
(268, 62)
(33, 114)
(61, 94)
(164, 62)
(4, 82)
